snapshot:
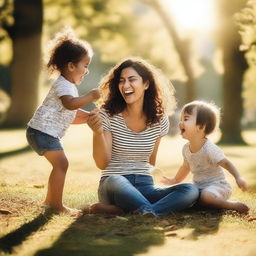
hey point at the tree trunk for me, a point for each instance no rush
(26, 63)
(182, 47)
(234, 67)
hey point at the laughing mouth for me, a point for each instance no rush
(182, 130)
(128, 92)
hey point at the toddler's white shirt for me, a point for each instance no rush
(52, 117)
(204, 164)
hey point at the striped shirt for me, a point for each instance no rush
(131, 150)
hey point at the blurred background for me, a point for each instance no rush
(207, 48)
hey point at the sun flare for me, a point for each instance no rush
(192, 14)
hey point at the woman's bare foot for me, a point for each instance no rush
(240, 207)
(105, 208)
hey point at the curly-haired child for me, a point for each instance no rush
(70, 58)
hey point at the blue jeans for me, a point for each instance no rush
(41, 142)
(138, 193)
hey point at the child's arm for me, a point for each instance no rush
(180, 175)
(81, 117)
(225, 163)
(71, 103)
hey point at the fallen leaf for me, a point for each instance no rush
(158, 228)
(122, 233)
(38, 186)
(121, 218)
(4, 211)
(171, 228)
(170, 234)
(251, 218)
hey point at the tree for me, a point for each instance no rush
(26, 35)
(182, 47)
(25, 66)
(108, 29)
(246, 20)
(234, 67)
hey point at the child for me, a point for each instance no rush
(70, 58)
(204, 159)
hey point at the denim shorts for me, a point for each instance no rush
(41, 142)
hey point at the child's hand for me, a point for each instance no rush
(166, 181)
(241, 184)
(95, 94)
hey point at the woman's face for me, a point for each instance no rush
(131, 86)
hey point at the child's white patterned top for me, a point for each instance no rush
(52, 117)
(204, 164)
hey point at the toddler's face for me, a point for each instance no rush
(187, 125)
(80, 70)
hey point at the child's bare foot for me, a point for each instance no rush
(70, 211)
(241, 207)
(105, 208)
(64, 209)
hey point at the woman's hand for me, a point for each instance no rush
(81, 117)
(94, 121)
(102, 140)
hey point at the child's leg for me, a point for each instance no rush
(209, 199)
(56, 181)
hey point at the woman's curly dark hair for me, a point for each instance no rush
(158, 98)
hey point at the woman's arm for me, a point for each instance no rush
(102, 140)
(152, 158)
(81, 117)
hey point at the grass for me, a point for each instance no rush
(26, 231)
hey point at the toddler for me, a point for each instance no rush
(70, 58)
(204, 159)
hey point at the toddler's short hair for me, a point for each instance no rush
(207, 114)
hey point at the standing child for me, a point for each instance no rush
(70, 58)
(204, 159)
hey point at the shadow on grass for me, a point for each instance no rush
(15, 152)
(106, 235)
(9, 241)
(94, 235)
(204, 222)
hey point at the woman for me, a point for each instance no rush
(126, 136)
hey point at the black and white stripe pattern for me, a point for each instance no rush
(131, 150)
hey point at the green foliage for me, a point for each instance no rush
(246, 20)
(116, 29)
(105, 27)
(6, 18)
(6, 21)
